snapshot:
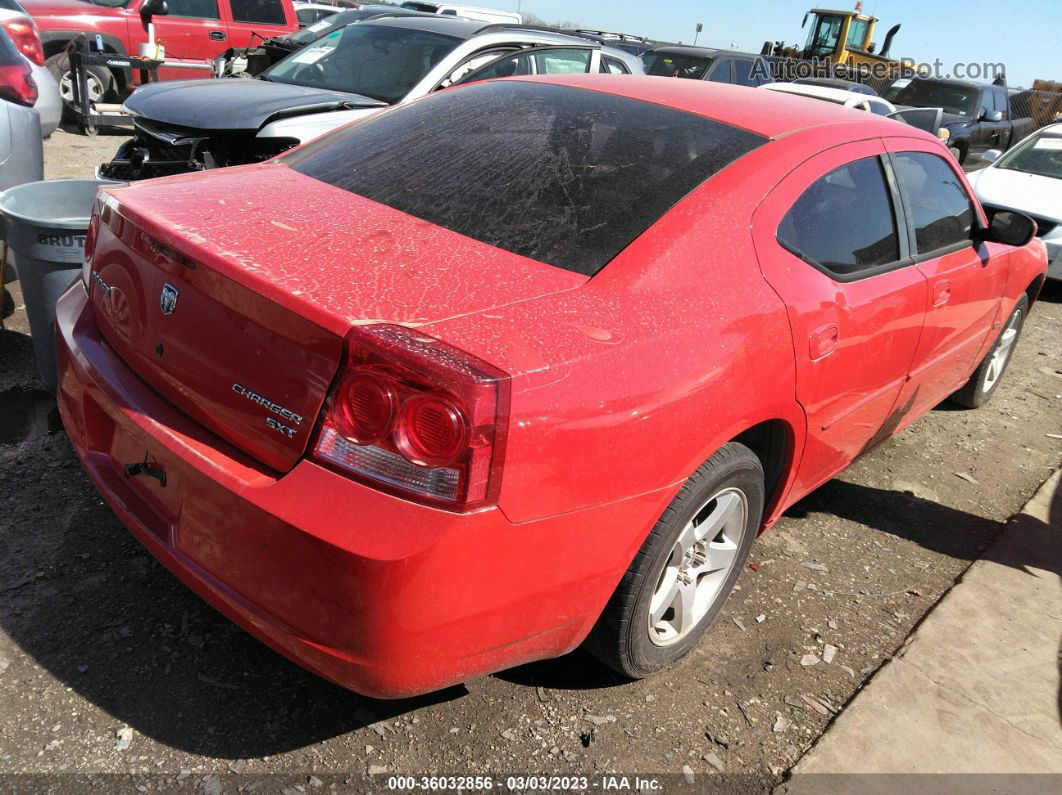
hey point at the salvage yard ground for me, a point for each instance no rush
(109, 665)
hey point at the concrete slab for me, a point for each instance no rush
(977, 688)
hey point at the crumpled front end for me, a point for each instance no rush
(161, 150)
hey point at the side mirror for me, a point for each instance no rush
(153, 8)
(992, 116)
(991, 156)
(1011, 228)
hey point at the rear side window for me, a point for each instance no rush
(264, 12)
(193, 9)
(722, 72)
(561, 175)
(743, 72)
(614, 66)
(844, 222)
(936, 201)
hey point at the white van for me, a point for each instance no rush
(468, 12)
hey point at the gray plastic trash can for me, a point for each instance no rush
(44, 224)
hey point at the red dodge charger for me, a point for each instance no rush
(522, 365)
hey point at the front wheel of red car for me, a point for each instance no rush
(989, 373)
(681, 577)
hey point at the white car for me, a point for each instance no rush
(346, 75)
(838, 96)
(478, 13)
(1028, 179)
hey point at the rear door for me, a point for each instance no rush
(829, 242)
(266, 18)
(191, 31)
(965, 284)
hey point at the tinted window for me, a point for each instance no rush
(844, 222)
(1001, 102)
(761, 72)
(938, 204)
(614, 66)
(721, 72)
(264, 12)
(375, 61)
(954, 98)
(743, 72)
(561, 175)
(193, 9)
(665, 64)
(987, 106)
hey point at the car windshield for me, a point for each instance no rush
(561, 175)
(957, 99)
(376, 61)
(328, 24)
(1039, 154)
(665, 64)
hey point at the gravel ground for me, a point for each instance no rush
(108, 665)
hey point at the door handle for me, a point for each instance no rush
(217, 35)
(824, 341)
(941, 293)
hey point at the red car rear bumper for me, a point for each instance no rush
(382, 596)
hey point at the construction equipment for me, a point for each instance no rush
(843, 41)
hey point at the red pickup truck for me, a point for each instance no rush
(190, 30)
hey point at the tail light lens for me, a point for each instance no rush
(90, 248)
(418, 418)
(26, 38)
(16, 84)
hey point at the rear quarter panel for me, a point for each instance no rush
(626, 385)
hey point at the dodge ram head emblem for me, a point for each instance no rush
(168, 300)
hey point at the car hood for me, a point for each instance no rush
(235, 104)
(1017, 190)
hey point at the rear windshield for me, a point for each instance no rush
(957, 99)
(665, 64)
(562, 175)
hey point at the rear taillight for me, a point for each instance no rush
(16, 84)
(90, 248)
(417, 417)
(26, 38)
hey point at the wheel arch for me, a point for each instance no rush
(1034, 288)
(774, 443)
(56, 41)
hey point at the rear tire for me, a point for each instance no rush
(681, 577)
(986, 378)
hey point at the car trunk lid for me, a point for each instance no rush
(230, 293)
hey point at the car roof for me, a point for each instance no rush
(767, 113)
(435, 23)
(468, 28)
(702, 52)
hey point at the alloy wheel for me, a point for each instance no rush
(1001, 354)
(699, 563)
